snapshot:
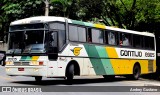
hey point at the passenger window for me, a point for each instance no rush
(97, 36)
(73, 33)
(125, 39)
(149, 42)
(81, 34)
(77, 33)
(112, 38)
(137, 41)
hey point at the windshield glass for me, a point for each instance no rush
(31, 41)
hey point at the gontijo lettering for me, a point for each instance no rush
(131, 53)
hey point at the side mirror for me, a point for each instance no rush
(53, 56)
(5, 38)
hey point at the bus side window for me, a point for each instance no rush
(111, 38)
(125, 39)
(137, 41)
(53, 42)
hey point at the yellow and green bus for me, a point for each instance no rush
(58, 47)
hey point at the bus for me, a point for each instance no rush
(58, 47)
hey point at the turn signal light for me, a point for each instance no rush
(36, 63)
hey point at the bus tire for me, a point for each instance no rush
(2, 63)
(38, 78)
(136, 72)
(70, 72)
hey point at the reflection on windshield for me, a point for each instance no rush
(27, 41)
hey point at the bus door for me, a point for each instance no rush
(52, 53)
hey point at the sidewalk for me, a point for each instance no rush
(3, 46)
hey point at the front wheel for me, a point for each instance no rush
(2, 63)
(70, 72)
(38, 78)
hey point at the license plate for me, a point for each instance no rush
(20, 69)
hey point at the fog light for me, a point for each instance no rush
(34, 63)
(7, 69)
(35, 69)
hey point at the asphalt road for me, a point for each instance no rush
(80, 85)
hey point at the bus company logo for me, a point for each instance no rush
(76, 51)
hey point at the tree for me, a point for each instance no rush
(65, 8)
(17, 9)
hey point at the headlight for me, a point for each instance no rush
(9, 63)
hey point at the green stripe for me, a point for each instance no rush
(97, 63)
(26, 58)
(77, 22)
(82, 23)
(101, 66)
(106, 62)
(23, 58)
(88, 24)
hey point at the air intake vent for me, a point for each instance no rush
(21, 63)
(150, 66)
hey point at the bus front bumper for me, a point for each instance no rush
(26, 70)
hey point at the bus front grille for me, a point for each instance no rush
(21, 63)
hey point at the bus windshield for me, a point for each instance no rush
(31, 41)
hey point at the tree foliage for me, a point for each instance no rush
(129, 14)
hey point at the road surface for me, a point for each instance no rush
(86, 85)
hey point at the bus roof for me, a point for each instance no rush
(43, 19)
(38, 19)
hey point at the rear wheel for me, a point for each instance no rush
(38, 78)
(70, 72)
(136, 72)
